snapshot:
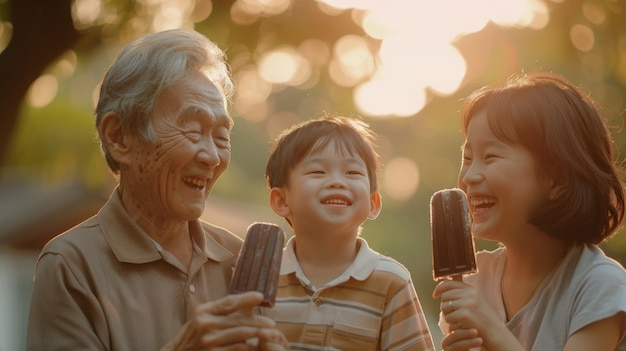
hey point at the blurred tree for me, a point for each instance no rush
(41, 31)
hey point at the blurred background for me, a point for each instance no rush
(403, 66)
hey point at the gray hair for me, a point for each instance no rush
(148, 66)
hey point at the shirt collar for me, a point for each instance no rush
(361, 268)
(131, 244)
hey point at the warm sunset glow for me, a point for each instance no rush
(417, 56)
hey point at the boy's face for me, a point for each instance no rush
(328, 192)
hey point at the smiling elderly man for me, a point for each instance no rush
(146, 273)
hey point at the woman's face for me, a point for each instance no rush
(171, 178)
(502, 182)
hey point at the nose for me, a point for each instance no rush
(209, 153)
(336, 180)
(471, 174)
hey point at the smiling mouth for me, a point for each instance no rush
(336, 201)
(481, 204)
(195, 183)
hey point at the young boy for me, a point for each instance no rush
(335, 293)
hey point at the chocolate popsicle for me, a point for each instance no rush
(451, 236)
(258, 266)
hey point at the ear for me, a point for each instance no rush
(558, 184)
(278, 202)
(114, 137)
(376, 205)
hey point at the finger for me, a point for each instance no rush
(232, 303)
(271, 346)
(234, 338)
(448, 306)
(272, 340)
(463, 345)
(447, 285)
(461, 339)
(207, 322)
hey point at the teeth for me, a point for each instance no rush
(336, 202)
(481, 202)
(196, 182)
(478, 202)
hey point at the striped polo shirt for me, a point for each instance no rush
(371, 306)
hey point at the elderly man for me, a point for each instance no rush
(146, 273)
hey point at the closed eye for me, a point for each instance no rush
(193, 135)
(222, 141)
(490, 156)
(355, 173)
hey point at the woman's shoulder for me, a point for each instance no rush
(592, 261)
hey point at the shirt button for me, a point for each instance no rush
(317, 301)
(192, 288)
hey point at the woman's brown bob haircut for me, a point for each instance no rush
(564, 130)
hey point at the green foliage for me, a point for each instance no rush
(57, 144)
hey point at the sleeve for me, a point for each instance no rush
(602, 295)
(404, 323)
(63, 314)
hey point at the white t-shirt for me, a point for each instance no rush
(587, 286)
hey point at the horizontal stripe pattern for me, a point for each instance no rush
(380, 312)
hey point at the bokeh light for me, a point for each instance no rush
(43, 90)
(401, 178)
(416, 56)
(582, 37)
(284, 65)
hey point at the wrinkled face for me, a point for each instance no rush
(172, 178)
(329, 192)
(502, 182)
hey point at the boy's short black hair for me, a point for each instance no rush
(290, 147)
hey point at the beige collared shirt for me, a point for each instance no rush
(106, 285)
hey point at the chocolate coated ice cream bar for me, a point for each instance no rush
(451, 236)
(258, 266)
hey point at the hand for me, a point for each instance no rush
(464, 308)
(462, 340)
(271, 339)
(227, 324)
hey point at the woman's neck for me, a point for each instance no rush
(527, 265)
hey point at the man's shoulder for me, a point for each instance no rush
(82, 232)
